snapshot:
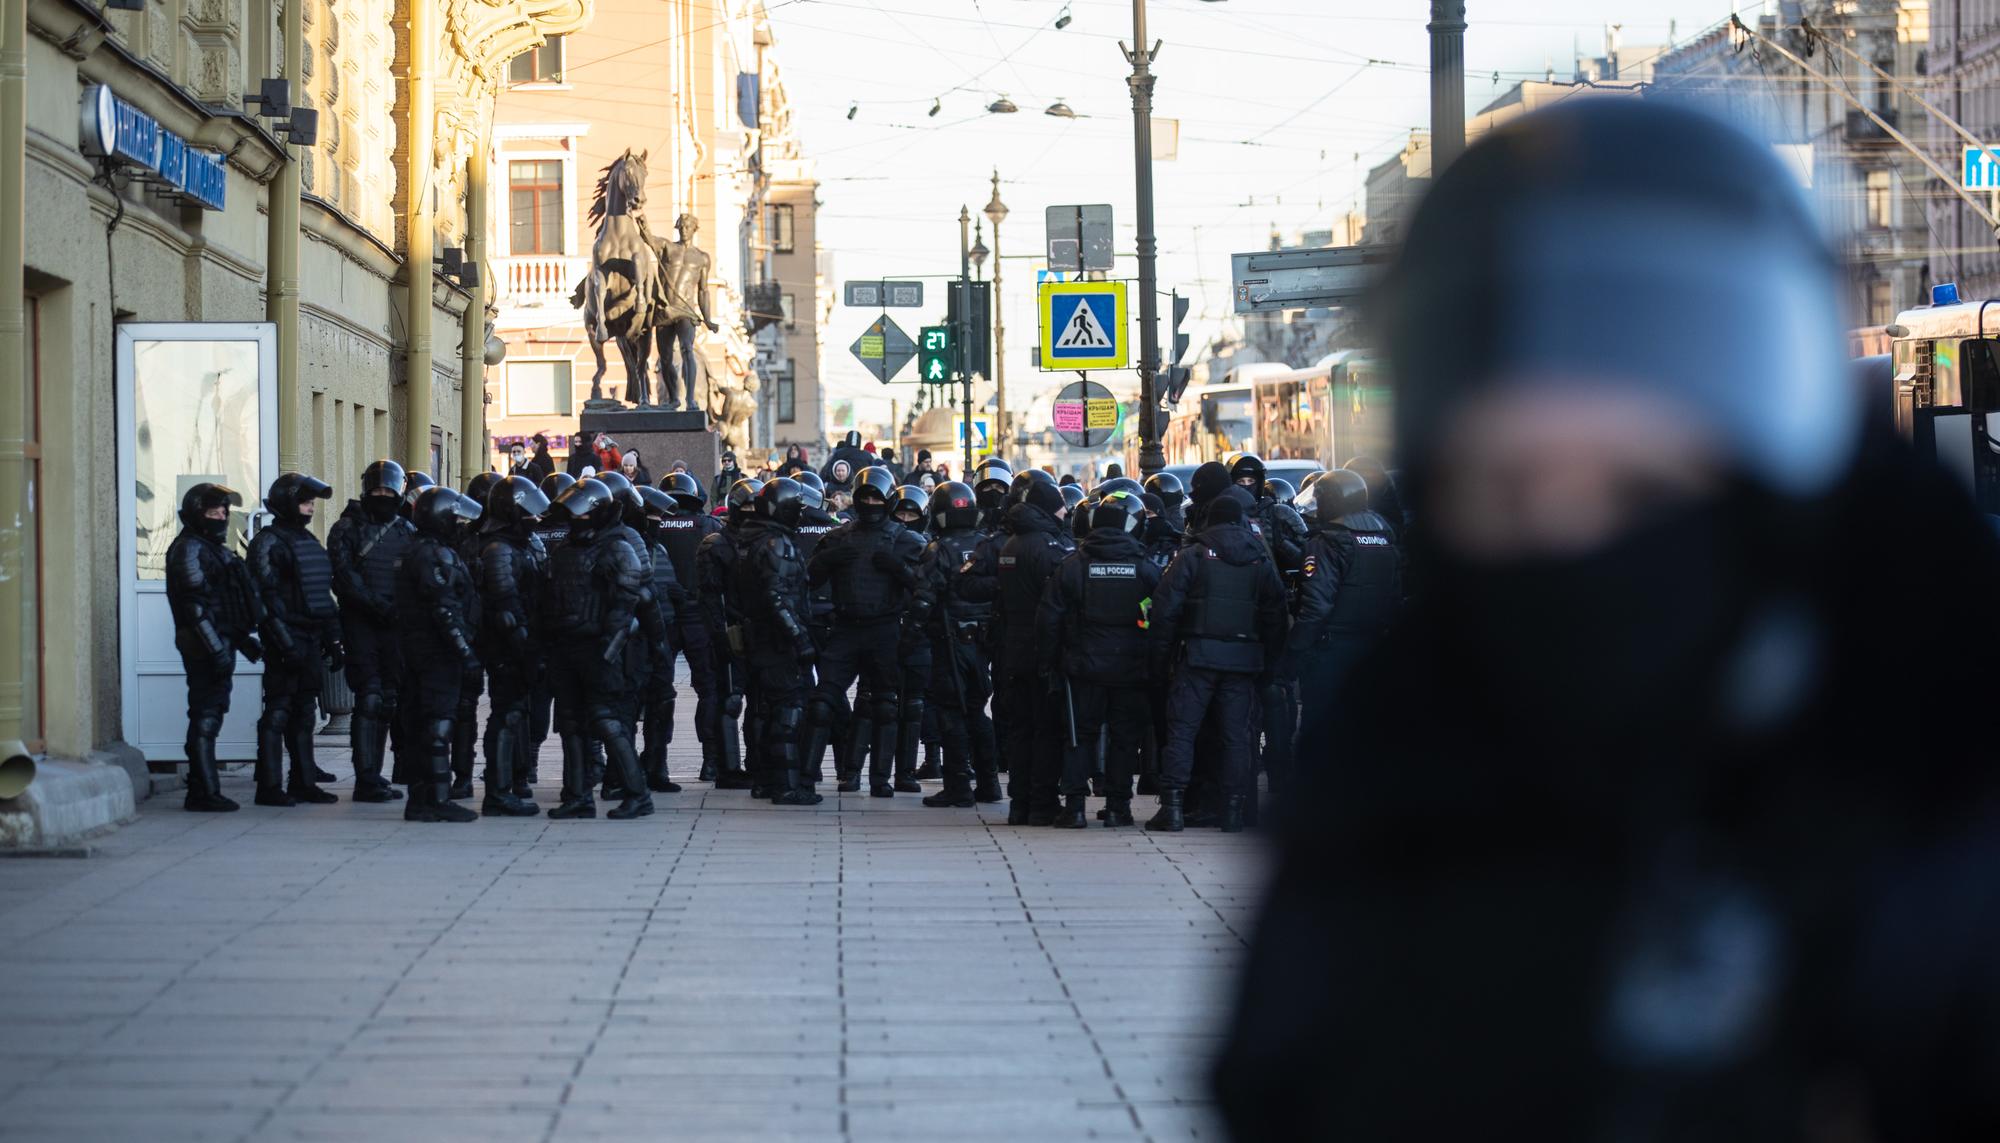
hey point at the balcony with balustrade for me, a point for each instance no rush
(538, 285)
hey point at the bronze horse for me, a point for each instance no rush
(617, 296)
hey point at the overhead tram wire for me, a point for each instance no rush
(769, 8)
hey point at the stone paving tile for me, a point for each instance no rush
(724, 970)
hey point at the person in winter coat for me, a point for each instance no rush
(1635, 807)
(849, 452)
(634, 469)
(215, 613)
(1218, 630)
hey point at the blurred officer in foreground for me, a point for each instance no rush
(1687, 858)
(1093, 624)
(365, 545)
(437, 605)
(301, 626)
(215, 615)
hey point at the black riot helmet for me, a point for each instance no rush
(630, 506)
(1117, 484)
(811, 487)
(201, 498)
(590, 506)
(954, 505)
(685, 490)
(1168, 488)
(659, 505)
(780, 501)
(743, 498)
(292, 489)
(908, 500)
(439, 511)
(384, 474)
(874, 487)
(513, 502)
(1247, 469)
(1073, 495)
(417, 481)
(994, 471)
(480, 485)
(1338, 493)
(1025, 479)
(557, 483)
(1279, 489)
(1119, 511)
(1079, 519)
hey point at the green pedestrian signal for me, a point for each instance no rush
(934, 363)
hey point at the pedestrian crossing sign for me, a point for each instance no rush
(1084, 326)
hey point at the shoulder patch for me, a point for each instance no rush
(1372, 540)
(1311, 566)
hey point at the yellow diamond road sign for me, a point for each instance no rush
(1084, 325)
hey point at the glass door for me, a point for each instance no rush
(197, 402)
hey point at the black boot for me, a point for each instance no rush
(733, 775)
(659, 734)
(576, 789)
(430, 800)
(882, 753)
(1017, 811)
(503, 751)
(464, 750)
(1232, 814)
(793, 789)
(931, 770)
(367, 736)
(860, 737)
(1118, 812)
(1170, 818)
(622, 768)
(1074, 813)
(984, 766)
(304, 789)
(957, 792)
(909, 730)
(204, 781)
(709, 753)
(271, 758)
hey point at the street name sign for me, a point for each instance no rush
(883, 295)
(1083, 325)
(1268, 281)
(883, 348)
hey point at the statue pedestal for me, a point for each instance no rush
(662, 437)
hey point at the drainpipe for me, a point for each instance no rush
(472, 340)
(14, 508)
(417, 245)
(281, 288)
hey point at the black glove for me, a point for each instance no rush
(251, 648)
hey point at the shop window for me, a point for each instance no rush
(535, 206)
(538, 65)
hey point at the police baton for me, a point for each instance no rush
(1069, 707)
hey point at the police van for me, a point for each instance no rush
(1945, 367)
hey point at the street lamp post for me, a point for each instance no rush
(995, 212)
(1447, 29)
(960, 335)
(1140, 56)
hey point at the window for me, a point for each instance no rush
(1881, 302)
(788, 393)
(787, 305)
(779, 223)
(538, 389)
(1879, 203)
(538, 65)
(535, 206)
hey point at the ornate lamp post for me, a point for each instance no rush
(995, 211)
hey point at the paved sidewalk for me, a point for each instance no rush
(867, 969)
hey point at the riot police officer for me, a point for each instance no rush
(657, 696)
(597, 584)
(1091, 631)
(681, 532)
(778, 647)
(991, 482)
(1218, 624)
(910, 507)
(961, 680)
(215, 615)
(871, 562)
(1173, 498)
(512, 569)
(1350, 588)
(1013, 577)
(723, 607)
(551, 530)
(301, 624)
(413, 486)
(465, 726)
(814, 524)
(654, 613)
(364, 545)
(437, 605)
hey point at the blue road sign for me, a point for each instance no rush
(1083, 325)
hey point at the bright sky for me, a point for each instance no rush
(1283, 107)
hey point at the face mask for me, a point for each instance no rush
(870, 511)
(216, 530)
(379, 508)
(1583, 647)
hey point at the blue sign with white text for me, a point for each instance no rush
(1085, 327)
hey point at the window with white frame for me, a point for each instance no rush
(538, 65)
(538, 388)
(535, 206)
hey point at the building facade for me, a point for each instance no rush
(214, 290)
(693, 87)
(1962, 64)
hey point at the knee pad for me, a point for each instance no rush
(438, 733)
(206, 726)
(371, 704)
(278, 716)
(787, 719)
(733, 706)
(913, 708)
(887, 707)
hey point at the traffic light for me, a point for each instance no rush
(978, 332)
(934, 364)
(1177, 374)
